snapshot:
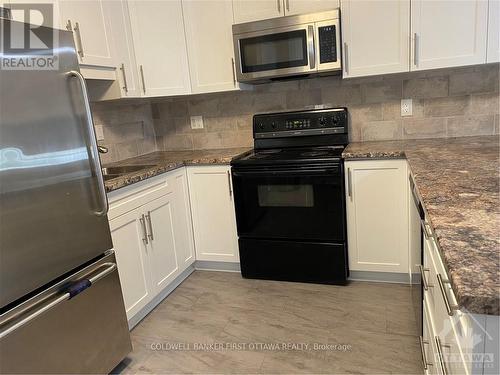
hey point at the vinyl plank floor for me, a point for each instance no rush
(220, 323)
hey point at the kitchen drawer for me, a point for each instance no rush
(428, 346)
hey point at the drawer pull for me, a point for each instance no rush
(426, 228)
(440, 356)
(449, 307)
(422, 350)
(424, 279)
(144, 230)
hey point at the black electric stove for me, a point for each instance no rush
(289, 197)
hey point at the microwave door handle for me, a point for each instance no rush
(311, 46)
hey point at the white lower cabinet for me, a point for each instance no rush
(212, 207)
(152, 237)
(377, 215)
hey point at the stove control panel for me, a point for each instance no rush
(301, 123)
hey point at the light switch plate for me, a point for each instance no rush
(196, 122)
(406, 107)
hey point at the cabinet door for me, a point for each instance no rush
(160, 47)
(370, 49)
(210, 69)
(377, 215)
(309, 6)
(132, 260)
(91, 30)
(212, 206)
(183, 228)
(448, 33)
(162, 245)
(493, 52)
(252, 10)
(19, 14)
(127, 73)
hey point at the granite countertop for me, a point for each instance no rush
(164, 161)
(458, 182)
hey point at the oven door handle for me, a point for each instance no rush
(288, 172)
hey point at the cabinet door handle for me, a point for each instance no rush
(141, 69)
(349, 183)
(287, 5)
(233, 70)
(346, 59)
(144, 232)
(440, 347)
(422, 350)
(229, 184)
(125, 86)
(415, 49)
(424, 279)
(278, 2)
(426, 229)
(79, 40)
(69, 27)
(150, 226)
(449, 307)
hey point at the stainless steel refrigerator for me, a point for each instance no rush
(61, 304)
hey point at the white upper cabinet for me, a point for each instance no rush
(212, 206)
(493, 53)
(249, 10)
(293, 7)
(160, 47)
(448, 33)
(210, 44)
(375, 188)
(127, 74)
(91, 30)
(375, 47)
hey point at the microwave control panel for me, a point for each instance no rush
(327, 44)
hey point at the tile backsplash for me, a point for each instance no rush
(446, 103)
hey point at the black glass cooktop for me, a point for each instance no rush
(291, 155)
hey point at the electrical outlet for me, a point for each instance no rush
(99, 132)
(196, 122)
(406, 107)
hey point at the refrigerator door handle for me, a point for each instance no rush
(70, 292)
(95, 161)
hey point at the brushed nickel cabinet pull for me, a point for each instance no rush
(150, 226)
(349, 183)
(415, 49)
(287, 5)
(450, 309)
(346, 59)
(144, 231)
(229, 184)
(233, 70)
(425, 283)
(440, 347)
(79, 40)
(125, 86)
(141, 69)
(278, 2)
(422, 351)
(69, 27)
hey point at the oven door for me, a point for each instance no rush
(275, 52)
(302, 202)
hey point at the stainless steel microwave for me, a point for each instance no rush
(287, 46)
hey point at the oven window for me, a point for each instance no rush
(274, 51)
(286, 195)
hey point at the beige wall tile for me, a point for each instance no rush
(343, 95)
(391, 110)
(207, 141)
(383, 91)
(237, 139)
(485, 80)
(365, 112)
(443, 107)
(298, 99)
(218, 124)
(126, 150)
(424, 128)
(178, 142)
(486, 104)
(471, 125)
(434, 87)
(381, 130)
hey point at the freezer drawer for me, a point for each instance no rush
(85, 334)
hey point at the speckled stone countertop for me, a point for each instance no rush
(458, 182)
(164, 161)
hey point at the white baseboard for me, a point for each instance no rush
(206, 265)
(132, 322)
(380, 277)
